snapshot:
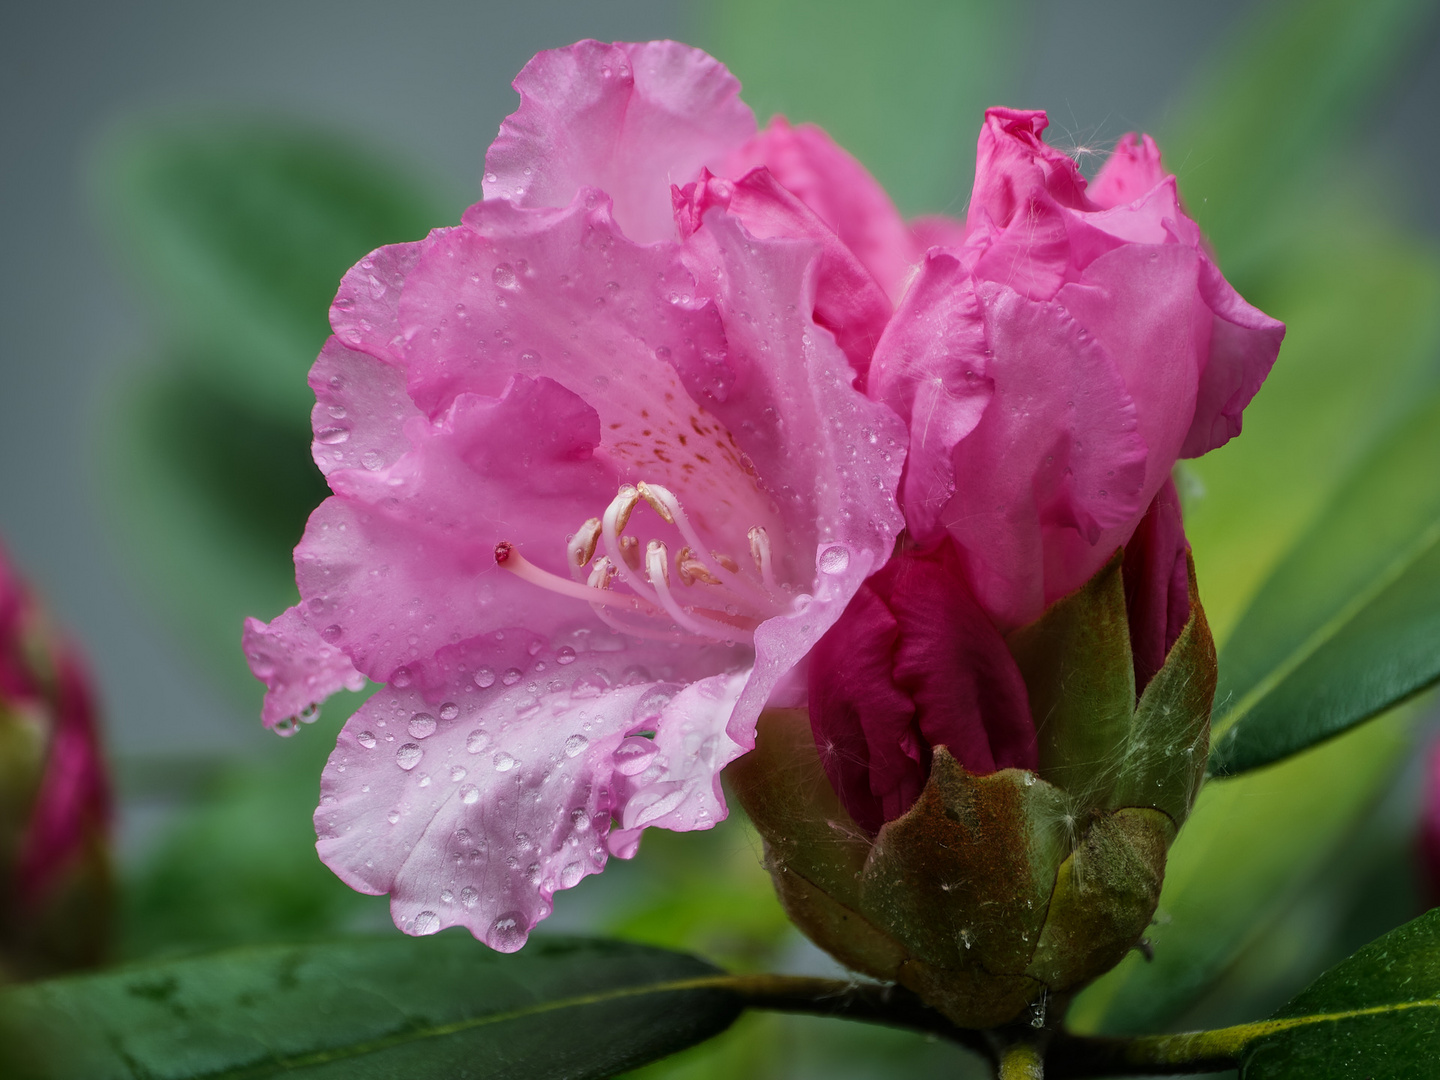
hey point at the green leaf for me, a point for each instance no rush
(242, 229)
(1316, 65)
(1252, 845)
(901, 86)
(376, 1007)
(1375, 1016)
(1350, 623)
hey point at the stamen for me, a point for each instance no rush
(660, 500)
(508, 558)
(675, 514)
(630, 552)
(657, 563)
(624, 503)
(692, 569)
(617, 515)
(602, 574)
(760, 552)
(725, 561)
(582, 544)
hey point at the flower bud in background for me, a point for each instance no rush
(55, 883)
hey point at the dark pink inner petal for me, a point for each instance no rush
(1157, 584)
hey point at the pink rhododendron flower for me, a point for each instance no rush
(55, 796)
(601, 480)
(1054, 357)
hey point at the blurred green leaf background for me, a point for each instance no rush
(234, 230)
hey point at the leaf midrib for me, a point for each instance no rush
(1328, 630)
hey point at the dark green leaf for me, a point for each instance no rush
(242, 231)
(1376, 1016)
(387, 1006)
(1350, 623)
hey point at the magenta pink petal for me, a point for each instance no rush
(628, 119)
(840, 191)
(1131, 170)
(1015, 170)
(848, 302)
(299, 667)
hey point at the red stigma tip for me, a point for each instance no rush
(502, 551)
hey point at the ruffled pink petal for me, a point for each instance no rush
(360, 413)
(1157, 584)
(1015, 170)
(848, 302)
(402, 561)
(473, 803)
(365, 310)
(628, 119)
(299, 667)
(932, 368)
(914, 663)
(1055, 461)
(840, 191)
(1131, 170)
(1244, 343)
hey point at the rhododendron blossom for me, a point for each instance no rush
(1054, 357)
(601, 478)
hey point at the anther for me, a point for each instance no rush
(624, 503)
(582, 544)
(725, 561)
(760, 552)
(630, 552)
(602, 573)
(660, 500)
(691, 569)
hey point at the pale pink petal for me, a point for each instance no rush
(472, 804)
(299, 668)
(361, 408)
(1055, 461)
(628, 119)
(1244, 343)
(932, 367)
(402, 561)
(840, 191)
(848, 302)
(363, 313)
(1131, 170)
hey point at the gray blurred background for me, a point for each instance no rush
(427, 82)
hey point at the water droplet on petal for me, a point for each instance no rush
(504, 276)
(634, 755)
(372, 459)
(422, 725)
(507, 932)
(457, 773)
(834, 560)
(511, 676)
(476, 741)
(332, 436)
(571, 875)
(564, 655)
(309, 714)
(408, 756)
(504, 762)
(469, 794)
(393, 817)
(485, 678)
(449, 711)
(468, 896)
(427, 922)
(401, 678)
(574, 744)
(332, 633)
(285, 728)
(366, 739)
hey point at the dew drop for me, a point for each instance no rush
(408, 756)
(469, 794)
(504, 276)
(332, 436)
(285, 728)
(468, 896)
(634, 755)
(575, 744)
(834, 560)
(393, 817)
(372, 459)
(449, 711)
(366, 739)
(485, 678)
(571, 875)
(309, 714)
(580, 818)
(504, 762)
(427, 922)
(457, 773)
(564, 655)
(507, 932)
(511, 676)
(331, 633)
(401, 678)
(476, 741)
(422, 725)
